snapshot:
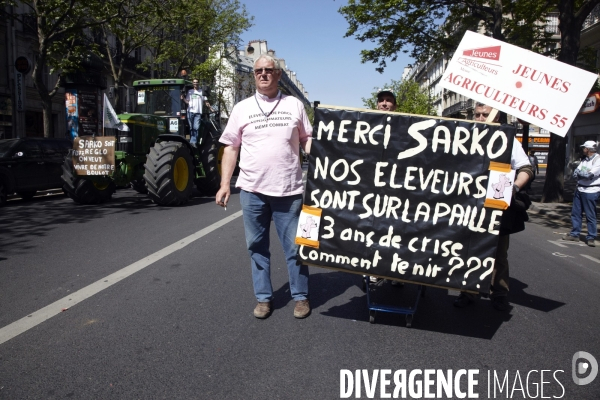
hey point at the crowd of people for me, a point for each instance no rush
(271, 187)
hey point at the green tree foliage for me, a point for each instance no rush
(131, 31)
(60, 27)
(182, 34)
(421, 28)
(194, 35)
(310, 113)
(410, 98)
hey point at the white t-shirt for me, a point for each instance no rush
(590, 164)
(195, 99)
(518, 158)
(269, 154)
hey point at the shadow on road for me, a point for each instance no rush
(324, 286)
(519, 296)
(435, 311)
(24, 222)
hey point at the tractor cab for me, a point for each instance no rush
(162, 98)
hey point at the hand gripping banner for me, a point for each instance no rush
(408, 197)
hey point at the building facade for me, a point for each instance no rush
(21, 111)
(20, 105)
(237, 83)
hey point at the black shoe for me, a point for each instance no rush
(571, 238)
(464, 299)
(500, 303)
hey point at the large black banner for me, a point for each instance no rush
(407, 197)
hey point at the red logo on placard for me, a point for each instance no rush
(489, 53)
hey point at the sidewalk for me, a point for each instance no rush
(553, 215)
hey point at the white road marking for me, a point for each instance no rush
(557, 254)
(562, 243)
(24, 324)
(590, 258)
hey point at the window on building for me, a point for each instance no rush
(552, 23)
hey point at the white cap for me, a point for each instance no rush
(590, 144)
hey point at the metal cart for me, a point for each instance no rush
(408, 311)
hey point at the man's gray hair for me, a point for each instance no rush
(480, 104)
(269, 59)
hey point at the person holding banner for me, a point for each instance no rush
(513, 221)
(586, 195)
(194, 99)
(269, 128)
(386, 101)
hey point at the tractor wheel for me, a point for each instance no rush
(27, 195)
(169, 173)
(85, 191)
(211, 154)
(139, 185)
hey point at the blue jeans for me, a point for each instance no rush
(584, 202)
(258, 210)
(195, 121)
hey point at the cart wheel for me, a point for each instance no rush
(372, 317)
(409, 319)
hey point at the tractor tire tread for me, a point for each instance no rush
(209, 150)
(159, 177)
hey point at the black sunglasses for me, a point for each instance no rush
(260, 71)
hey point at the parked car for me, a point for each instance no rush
(31, 164)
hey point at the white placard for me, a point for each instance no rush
(174, 125)
(534, 88)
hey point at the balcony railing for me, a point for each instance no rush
(453, 109)
(592, 19)
(463, 105)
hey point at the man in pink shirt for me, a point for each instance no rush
(267, 130)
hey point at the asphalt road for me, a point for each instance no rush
(129, 300)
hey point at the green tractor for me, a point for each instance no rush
(154, 156)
